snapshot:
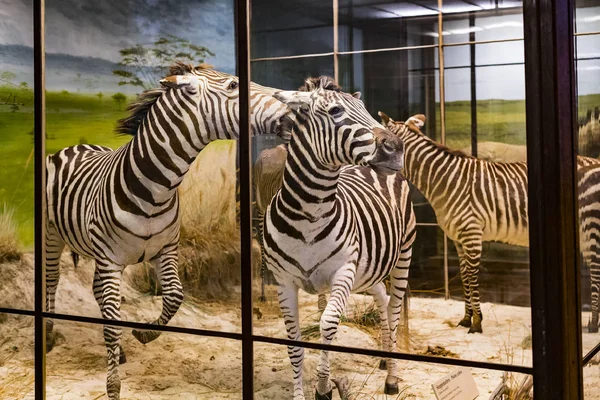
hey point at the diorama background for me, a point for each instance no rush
(387, 50)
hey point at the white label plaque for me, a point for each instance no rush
(457, 385)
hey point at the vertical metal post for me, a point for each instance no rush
(336, 47)
(39, 138)
(242, 8)
(443, 128)
(551, 151)
(473, 87)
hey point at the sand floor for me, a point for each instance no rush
(178, 366)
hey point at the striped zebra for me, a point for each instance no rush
(337, 228)
(589, 232)
(474, 201)
(121, 207)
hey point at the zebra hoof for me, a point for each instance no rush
(122, 356)
(145, 337)
(383, 365)
(593, 327)
(326, 396)
(476, 328)
(391, 388)
(50, 341)
(466, 322)
(262, 298)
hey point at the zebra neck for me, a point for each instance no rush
(309, 189)
(425, 162)
(158, 157)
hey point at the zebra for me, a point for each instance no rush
(589, 232)
(474, 201)
(589, 132)
(121, 207)
(339, 228)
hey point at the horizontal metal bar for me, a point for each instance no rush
(427, 224)
(425, 46)
(144, 326)
(292, 57)
(482, 42)
(589, 356)
(587, 33)
(4, 310)
(397, 355)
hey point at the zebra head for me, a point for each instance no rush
(336, 128)
(402, 128)
(211, 100)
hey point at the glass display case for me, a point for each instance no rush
(192, 234)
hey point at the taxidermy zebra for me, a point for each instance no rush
(474, 201)
(337, 228)
(121, 207)
(589, 232)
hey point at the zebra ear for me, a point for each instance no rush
(416, 120)
(180, 82)
(384, 118)
(296, 101)
(357, 95)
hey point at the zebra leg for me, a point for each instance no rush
(172, 291)
(472, 258)
(381, 301)
(466, 321)
(330, 319)
(98, 296)
(109, 285)
(398, 285)
(595, 282)
(288, 303)
(54, 248)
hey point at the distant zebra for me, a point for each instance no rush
(589, 133)
(474, 201)
(337, 228)
(589, 232)
(121, 207)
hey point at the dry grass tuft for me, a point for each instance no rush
(9, 243)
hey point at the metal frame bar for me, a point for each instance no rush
(551, 151)
(39, 137)
(556, 321)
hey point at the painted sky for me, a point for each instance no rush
(99, 29)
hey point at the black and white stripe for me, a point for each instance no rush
(337, 228)
(474, 201)
(121, 207)
(589, 232)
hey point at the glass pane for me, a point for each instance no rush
(291, 28)
(133, 48)
(587, 16)
(369, 25)
(16, 164)
(484, 24)
(174, 366)
(17, 376)
(290, 74)
(360, 377)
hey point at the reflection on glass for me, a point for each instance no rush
(290, 74)
(291, 28)
(175, 365)
(378, 25)
(587, 16)
(360, 377)
(17, 375)
(100, 60)
(16, 163)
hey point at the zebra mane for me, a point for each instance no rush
(321, 82)
(144, 102)
(446, 149)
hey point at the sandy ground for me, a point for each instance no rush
(178, 366)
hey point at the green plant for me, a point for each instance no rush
(9, 245)
(119, 98)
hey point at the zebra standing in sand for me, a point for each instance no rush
(121, 207)
(589, 232)
(474, 201)
(337, 228)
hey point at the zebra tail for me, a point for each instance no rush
(75, 257)
(404, 326)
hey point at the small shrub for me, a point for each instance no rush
(83, 140)
(9, 243)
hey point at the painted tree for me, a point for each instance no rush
(119, 98)
(100, 95)
(144, 65)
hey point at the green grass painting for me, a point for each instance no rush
(74, 118)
